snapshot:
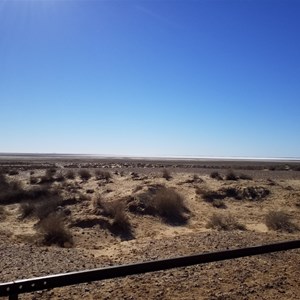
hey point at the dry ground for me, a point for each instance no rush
(88, 210)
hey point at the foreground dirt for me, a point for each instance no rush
(272, 276)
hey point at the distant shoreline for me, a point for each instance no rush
(26, 156)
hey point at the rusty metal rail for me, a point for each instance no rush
(14, 288)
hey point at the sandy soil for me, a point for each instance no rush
(272, 276)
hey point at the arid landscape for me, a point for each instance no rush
(63, 214)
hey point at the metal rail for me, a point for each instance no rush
(14, 288)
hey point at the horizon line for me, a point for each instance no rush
(167, 157)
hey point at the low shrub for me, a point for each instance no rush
(120, 220)
(13, 172)
(279, 220)
(231, 176)
(102, 175)
(48, 177)
(170, 205)
(219, 203)
(216, 175)
(224, 222)
(70, 174)
(209, 195)
(33, 180)
(245, 177)
(2, 213)
(166, 174)
(26, 209)
(84, 174)
(54, 232)
(60, 177)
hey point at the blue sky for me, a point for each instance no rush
(150, 78)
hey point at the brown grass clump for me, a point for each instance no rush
(60, 177)
(11, 191)
(279, 220)
(54, 232)
(166, 174)
(103, 175)
(27, 209)
(70, 175)
(209, 195)
(216, 175)
(245, 177)
(33, 180)
(121, 222)
(46, 206)
(13, 172)
(84, 174)
(98, 205)
(231, 176)
(218, 203)
(2, 213)
(48, 177)
(170, 206)
(224, 222)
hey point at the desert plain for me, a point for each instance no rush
(69, 213)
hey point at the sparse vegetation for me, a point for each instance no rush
(231, 176)
(279, 220)
(170, 205)
(103, 175)
(84, 174)
(60, 177)
(2, 213)
(166, 174)
(252, 193)
(27, 209)
(224, 222)
(218, 203)
(48, 177)
(33, 180)
(13, 172)
(121, 222)
(216, 175)
(54, 231)
(245, 177)
(70, 174)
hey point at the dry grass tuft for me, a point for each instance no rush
(218, 203)
(70, 175)
(54, 232)
(245, 177)
(84, 174)
(170, 206)
(231, 176)
(216, 175)
(279, 220)
(166, 174)
(2, 213)
(224, 222)
(102, 175)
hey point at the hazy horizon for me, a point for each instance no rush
(150, 78)
(165, 157)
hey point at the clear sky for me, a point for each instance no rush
(150, 78)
